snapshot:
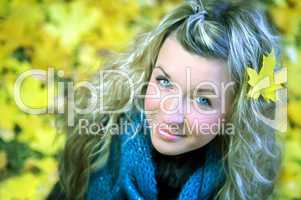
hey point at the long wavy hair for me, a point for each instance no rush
(236, 32)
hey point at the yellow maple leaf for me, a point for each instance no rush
(263, 83)
(69, 22)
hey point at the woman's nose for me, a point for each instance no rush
(174, 111)
(176, 118)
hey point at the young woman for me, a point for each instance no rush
(176, 121)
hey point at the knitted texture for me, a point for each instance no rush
(130, 170)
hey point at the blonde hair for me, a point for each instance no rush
(234, 31)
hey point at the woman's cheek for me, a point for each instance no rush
(203, 123)
(151, 104)
(151, 101)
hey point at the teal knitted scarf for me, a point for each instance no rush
(130, 170)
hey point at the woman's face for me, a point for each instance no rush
(187, 99)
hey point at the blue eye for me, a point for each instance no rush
(164, 82)
(203, 101)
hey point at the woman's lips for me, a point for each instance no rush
(165, 134)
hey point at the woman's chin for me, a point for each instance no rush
(165, 147)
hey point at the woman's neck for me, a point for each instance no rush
(173, 171)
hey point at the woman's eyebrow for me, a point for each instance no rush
(206, 91)
(199, 90)
(165, 73)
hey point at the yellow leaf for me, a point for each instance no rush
(294, 110)
(31, 186)
(70, 21)
(263, 83)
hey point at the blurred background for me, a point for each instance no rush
(76, 37)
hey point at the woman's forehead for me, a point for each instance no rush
(183, 66)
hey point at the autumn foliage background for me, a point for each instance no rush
(76, 37)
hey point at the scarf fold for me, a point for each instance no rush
(130, 170)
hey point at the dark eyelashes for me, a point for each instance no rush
(163, 81)
(161, 77)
